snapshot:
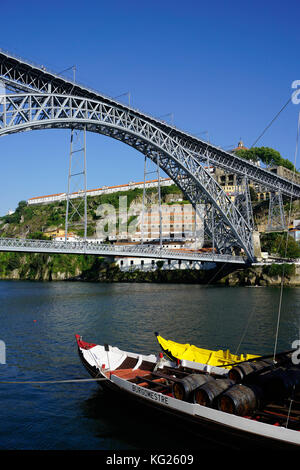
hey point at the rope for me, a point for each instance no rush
(269, 125)
(215, 275)
(286, 243)
(245, 330)
(290, 407)
(52, 381)
(280, 302)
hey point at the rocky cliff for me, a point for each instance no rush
(264, 276)
(42, 267)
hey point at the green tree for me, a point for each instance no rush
(159, 264)
(38, 236)
(253, 194)
(15, 218)
(283, 245)
(266, 155)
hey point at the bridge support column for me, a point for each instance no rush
(76, 210)
(276, 219)
(256, 244)
(243, 200)
(148, 201)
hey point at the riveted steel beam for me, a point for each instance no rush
(20, 112)
(22, 75)
(136, 251)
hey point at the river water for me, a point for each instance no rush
(38, 324)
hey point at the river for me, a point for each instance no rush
(38, 324)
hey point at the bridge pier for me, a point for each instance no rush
(276, 219)
(256, 244)
(76, 208)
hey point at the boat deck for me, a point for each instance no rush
(285, 412)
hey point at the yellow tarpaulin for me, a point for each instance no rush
(204, 356)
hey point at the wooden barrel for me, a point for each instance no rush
(183, 388)
(242, 371)
(206, 394)
(240, 400)
(280, 382)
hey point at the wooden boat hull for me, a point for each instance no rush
(205, 423)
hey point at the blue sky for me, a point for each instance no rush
(224, 67)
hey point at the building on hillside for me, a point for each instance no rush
(60, 235)
(294, 230)
(148, 264)
(47, 199)
(228, 181)
(283, 172)
(99, 191)
(170, 222)
(177, 221)
(286, 173)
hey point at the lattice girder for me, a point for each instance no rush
(20, 112)
(18, 75)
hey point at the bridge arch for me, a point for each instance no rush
(22, 112)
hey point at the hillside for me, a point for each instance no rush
(32, 221)
(36, 220)
(261, 211)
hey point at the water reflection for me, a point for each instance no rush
(38, 323)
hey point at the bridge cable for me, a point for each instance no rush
(246, 329)
(269, 125)
(286, 242)
(215, 275)
(282, 277)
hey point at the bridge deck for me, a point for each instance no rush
(21, 75)
(88, 248)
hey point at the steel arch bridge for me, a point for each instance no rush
(20, 112)
(43, 100)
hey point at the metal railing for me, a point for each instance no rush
(89, 248)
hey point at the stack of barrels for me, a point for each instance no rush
(247, 387)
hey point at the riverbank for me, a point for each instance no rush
(268, 275)
(41, 267)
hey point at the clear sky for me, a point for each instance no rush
(224, 67)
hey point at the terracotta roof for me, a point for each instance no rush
(240, 146)
(48, 195)
(102, 189)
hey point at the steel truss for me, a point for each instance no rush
(276, 218)
(20, 112)
(76, 210)
(140, 251)
(243, 200)
(21, 75)
(147, 200)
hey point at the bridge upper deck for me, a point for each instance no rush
(20, 75)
